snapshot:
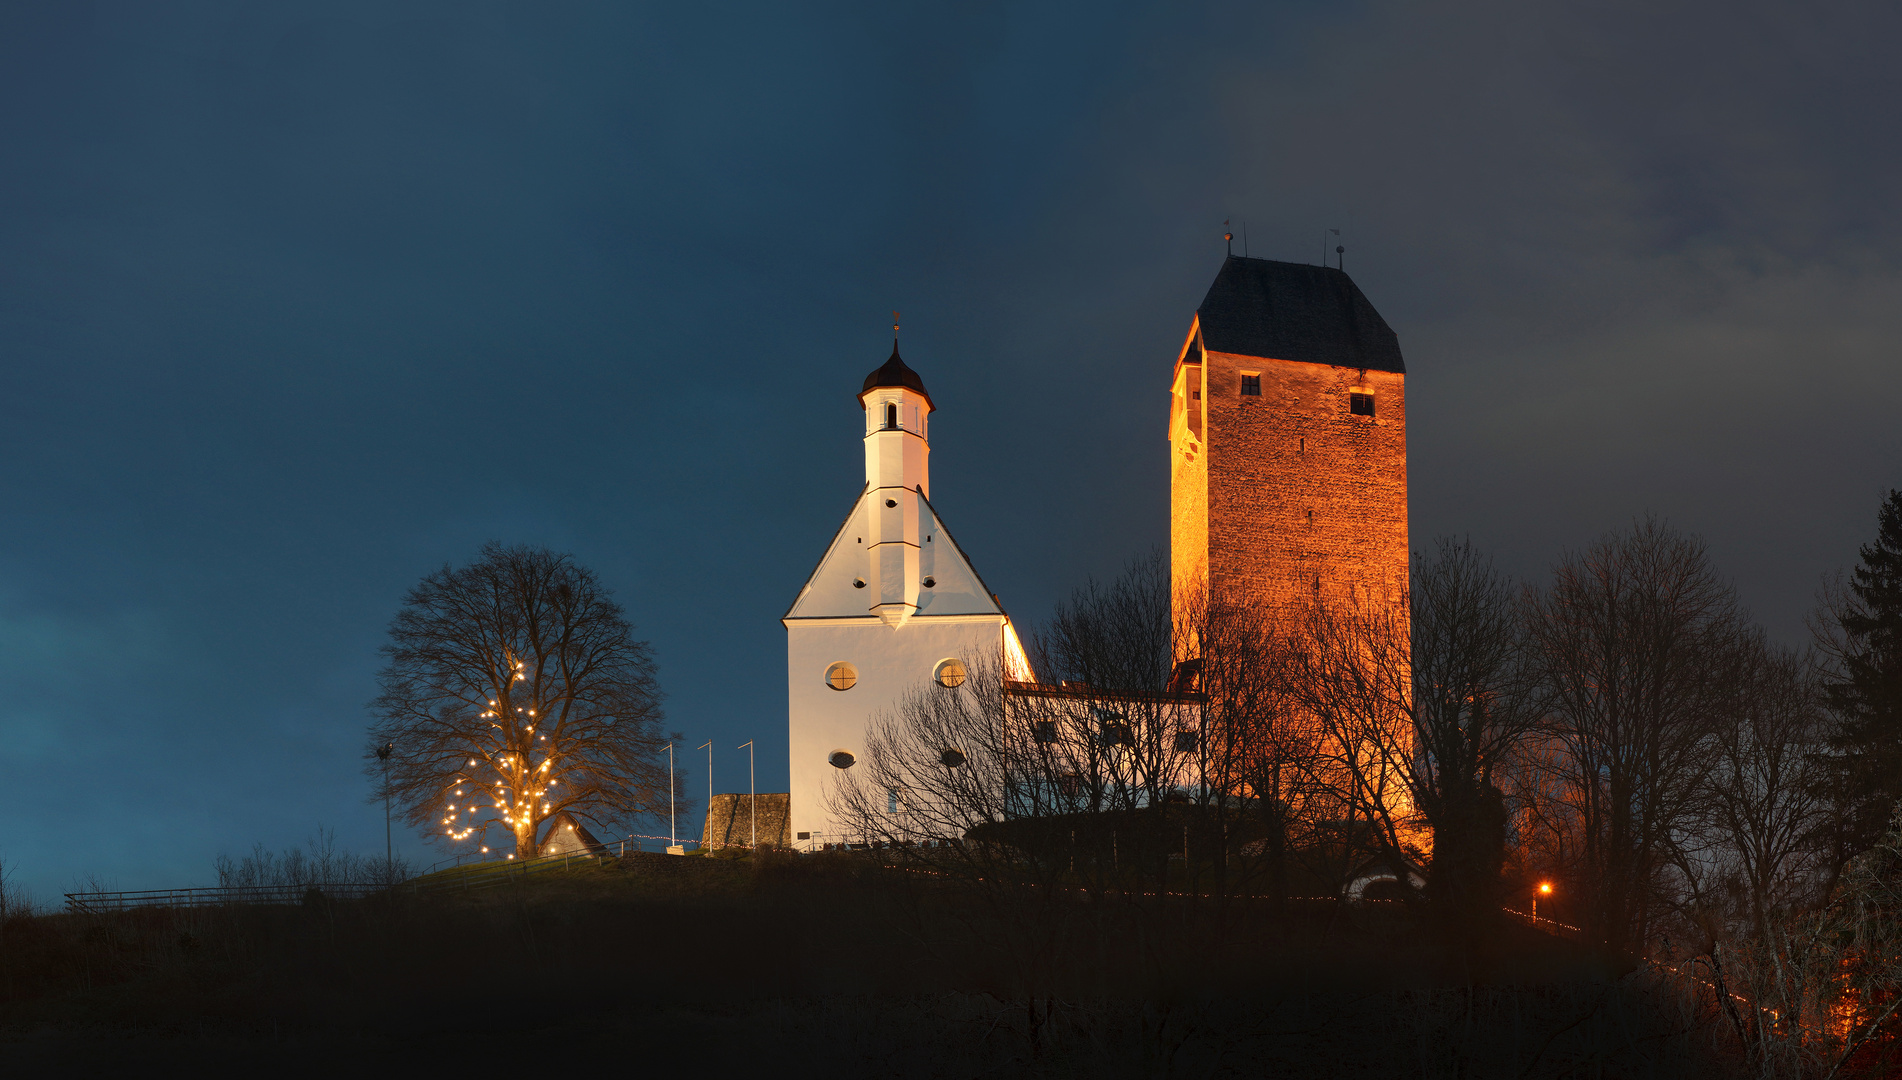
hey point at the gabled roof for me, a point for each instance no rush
(830, 593)
(1294, 311)
(894, 372)
(566, 833)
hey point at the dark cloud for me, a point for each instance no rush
(298, 305)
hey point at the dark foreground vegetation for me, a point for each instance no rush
(836, 965)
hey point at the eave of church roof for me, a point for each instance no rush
(1295, 311)
(895, 372)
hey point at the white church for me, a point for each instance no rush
(892, 603)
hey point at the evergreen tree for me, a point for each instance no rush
(1865, 686)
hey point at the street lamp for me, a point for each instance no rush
(383, 754)
(672, 840)
(1545, 887)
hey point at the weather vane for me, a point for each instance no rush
(1228, 237)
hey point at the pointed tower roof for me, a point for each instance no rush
(894, 372)
(1295, 311)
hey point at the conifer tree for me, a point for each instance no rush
(1864, 641)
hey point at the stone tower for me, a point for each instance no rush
(1288, 438)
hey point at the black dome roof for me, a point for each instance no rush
(894, 372)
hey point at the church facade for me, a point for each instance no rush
(893, 605)
(1287, 433)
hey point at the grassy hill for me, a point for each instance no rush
(820, 966)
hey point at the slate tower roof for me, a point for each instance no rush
(1293, 311)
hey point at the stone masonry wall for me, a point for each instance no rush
(730, 821)
(1300, 490)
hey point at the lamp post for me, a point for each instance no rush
(1544, 887)
(672, 840)
(752, 798)
(383, 754)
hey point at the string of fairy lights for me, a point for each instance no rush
(515, 806)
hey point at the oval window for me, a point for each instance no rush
(951, 757)
(949, 673)
(842, 676)
(841, 759)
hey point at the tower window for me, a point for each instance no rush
(1195, 395)
(1251, 386)
(891, 417)
(1360, 404)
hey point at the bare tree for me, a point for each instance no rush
(515, 690)
(1634, 642)
(1471, 705)
(1259, 748)
(1352, 672)
(1423, 697)
(1765, 811)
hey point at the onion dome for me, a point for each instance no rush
(894, 372)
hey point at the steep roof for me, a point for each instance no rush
(894, 372)
(1294, 311)
(830, 592)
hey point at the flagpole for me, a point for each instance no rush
(752, 797)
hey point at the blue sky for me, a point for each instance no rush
(300, 303)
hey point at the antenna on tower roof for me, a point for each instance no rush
(1244, 238)
(1229, 237)
(894, 330)
(1324, 233)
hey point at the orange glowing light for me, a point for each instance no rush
(1545, 886)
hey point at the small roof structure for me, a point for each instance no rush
(1295, 311)
(1386, 866)
(895, 372)
(568, 836)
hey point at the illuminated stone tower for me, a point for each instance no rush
(1288, 438)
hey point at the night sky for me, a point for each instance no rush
(298, 305)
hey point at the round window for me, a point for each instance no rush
(949, 673)
(951, 757)
(841, 759)
(842, 676)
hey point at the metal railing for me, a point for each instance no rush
(217, 896)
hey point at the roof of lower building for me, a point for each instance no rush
(895, 372)
(1294, 311)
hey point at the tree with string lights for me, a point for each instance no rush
(515, 690)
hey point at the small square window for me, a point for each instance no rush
(1195, 395)
(1046, 731)
(1360, 404)
(1251, 386)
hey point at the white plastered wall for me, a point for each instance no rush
(891, 662)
